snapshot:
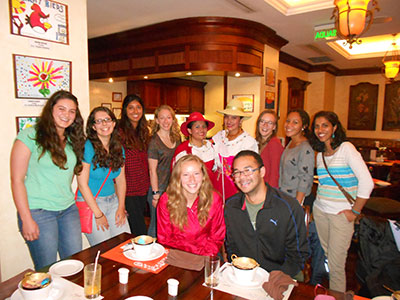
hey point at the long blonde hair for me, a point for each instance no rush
(174, 132)
(177, 203)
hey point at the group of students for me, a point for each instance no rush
(201, 193)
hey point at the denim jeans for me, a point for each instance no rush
(108, 205)
(59, 231)
(318, 258)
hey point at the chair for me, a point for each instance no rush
(382, 207)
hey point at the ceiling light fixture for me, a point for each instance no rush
(189, 73)
(352, 18)
(237, 74)
(391, 61)
(110, 80)
(145, 77)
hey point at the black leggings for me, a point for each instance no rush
(136, 206)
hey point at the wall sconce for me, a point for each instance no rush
(352, 19)
(391, 60)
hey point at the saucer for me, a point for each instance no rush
(156, 252)
(66, 267)
(55, 293)
(139, 298)
(260, 277)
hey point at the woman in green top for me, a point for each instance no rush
(44, 160)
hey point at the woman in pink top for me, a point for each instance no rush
(190, 214)
(269, 146)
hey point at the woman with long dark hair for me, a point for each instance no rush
(103, 163)
(269, 145)
(135, 136)
(190, 213)
(44, 160)
(333, 214)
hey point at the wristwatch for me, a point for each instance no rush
(155, 192)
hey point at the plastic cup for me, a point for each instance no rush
(123, 275)
(211, 271)
(172, 287)
(92, 281)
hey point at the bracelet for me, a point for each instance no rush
(155, 192)
(355, 212)
(102, 215)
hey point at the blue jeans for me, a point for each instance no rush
(152, 230)
(108, 205)
(318, 258)
(59, 231)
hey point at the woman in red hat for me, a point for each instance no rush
(196, 127)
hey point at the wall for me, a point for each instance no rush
(101, 92)
(14, 255)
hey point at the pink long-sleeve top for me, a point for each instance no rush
(194, 238)
(271, 156)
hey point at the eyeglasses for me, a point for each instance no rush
(101, 121)
(245, 172)
(269, 123)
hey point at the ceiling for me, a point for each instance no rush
(111, 16)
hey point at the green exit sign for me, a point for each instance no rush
(325, 34)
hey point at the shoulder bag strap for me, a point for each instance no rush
(349, 198)
(95, 197)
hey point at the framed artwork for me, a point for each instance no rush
(117, 97)
(37, 77)
(270, 76)
(363, 105)
(117, 112)
(108, 105)
(43, 20)
(391, 108)
(25, 122)
(269, 100)
(247, 100)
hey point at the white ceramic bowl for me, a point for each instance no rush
(143, 245)
(39, 294)
(244, 268)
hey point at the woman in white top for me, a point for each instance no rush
(333, 214)
(230, 141)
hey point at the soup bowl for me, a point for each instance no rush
(244, 268)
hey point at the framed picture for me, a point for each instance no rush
(363, 105)
(391, 108)
(117, 97)
(117, 112)
(269, 100)
(108, 105)
(270, 76)
(43, 20)
(37, 77)
(247, 100)
(25, 122)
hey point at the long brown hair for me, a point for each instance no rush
(48, 139)
(134, 138)
(177, 204)
(259, 138)
(174, 134)
(113, 158)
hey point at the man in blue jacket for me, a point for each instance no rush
(262, 222)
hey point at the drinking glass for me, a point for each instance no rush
(211, 270)
(92, 281)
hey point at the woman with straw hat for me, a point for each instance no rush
(196, 128)
(230, 141)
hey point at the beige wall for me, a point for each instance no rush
(101, 92)
(14, 254)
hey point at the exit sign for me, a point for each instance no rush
(325, 34)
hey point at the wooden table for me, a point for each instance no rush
(149, 284)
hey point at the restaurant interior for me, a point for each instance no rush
(198, 55)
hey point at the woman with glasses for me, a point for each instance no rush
(103, 163)
(269, 146)
(190, 213)
(165, 139)
(135, 137)
(44, 159)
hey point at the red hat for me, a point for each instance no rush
(193, 117)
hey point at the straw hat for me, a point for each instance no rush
(195, 116)
(235, 108)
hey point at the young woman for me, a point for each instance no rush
(162, 146)
(44, 159)
(135, 137)
(333, 214)
(103, 163)
(231, 141)
(190, 214)
(269, 145)
(196, 127)
(297, 161)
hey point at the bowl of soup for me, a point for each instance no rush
(35, 286)
(244, 268)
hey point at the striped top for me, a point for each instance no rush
(349, 169)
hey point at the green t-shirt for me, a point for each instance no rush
(253, 209)
(48, 187)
